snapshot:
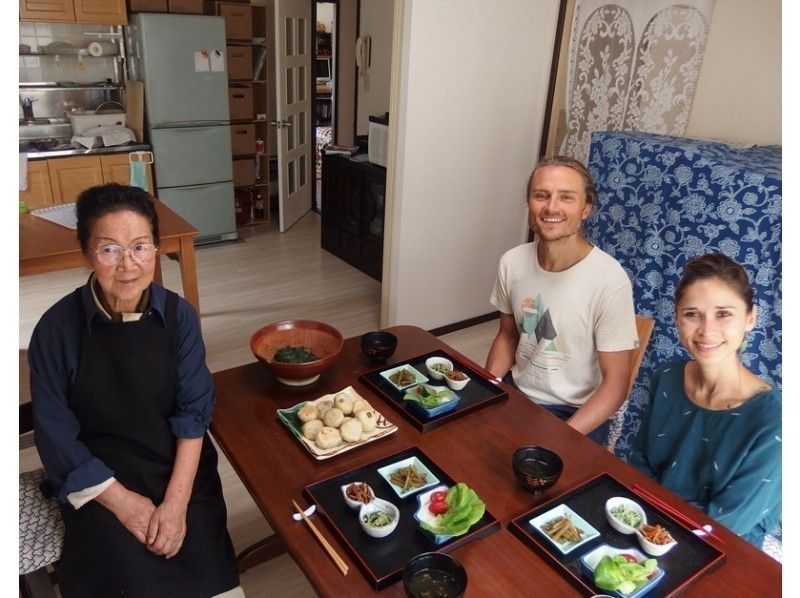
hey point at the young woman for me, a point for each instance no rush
(122, 399)
(712, 434)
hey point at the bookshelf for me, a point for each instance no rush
(250, 74)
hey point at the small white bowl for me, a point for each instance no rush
(457, 384)
(431, 361)
(654, 549)
(379, 504)
(618, 525)
(356, 504)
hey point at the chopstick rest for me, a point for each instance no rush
(328, 548)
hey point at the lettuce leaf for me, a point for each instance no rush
(618, 574)
(465, 509)
(427, 396)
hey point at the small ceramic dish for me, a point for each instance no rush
(652, 548)
(423, 514)
(590, 560)
(456, 384)
(619, 502)
(447, 404)
(587, 532)
(378, 504)
(356, 504)
(386, 473)
(419, 378)
(440, 361)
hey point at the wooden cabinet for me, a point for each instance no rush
(353, 199)
(247, 31)
(117, 169)
(70, 176)
(38, 193)
(61, 180)
(110, 12)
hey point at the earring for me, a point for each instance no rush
(743, 346)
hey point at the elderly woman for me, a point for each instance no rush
(122, 400)
(713, 431)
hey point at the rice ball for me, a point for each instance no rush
(328, 437)
(323, 406)
(360, 405)
(333, 417)
(351, 430)
(311, 428)
(343, 402)
(307, 412)
(368, 419)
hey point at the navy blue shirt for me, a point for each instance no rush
(53, 356)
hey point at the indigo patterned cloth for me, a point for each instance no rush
(663, 200)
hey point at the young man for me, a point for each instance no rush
(567, 323)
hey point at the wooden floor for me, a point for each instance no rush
(263, 277)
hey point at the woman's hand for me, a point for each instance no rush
(133, 510)
(167, 528)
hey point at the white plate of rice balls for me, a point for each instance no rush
(335, 423)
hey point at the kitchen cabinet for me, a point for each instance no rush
(61, 180)
(353, 200)
(38, 193)
(107, 12)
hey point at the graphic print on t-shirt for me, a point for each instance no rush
(538, 341)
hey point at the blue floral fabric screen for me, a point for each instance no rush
(663, 200)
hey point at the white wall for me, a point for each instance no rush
(738, 96)
(326, 13)
(375, 20)
(472, 88)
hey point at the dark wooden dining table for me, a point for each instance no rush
(476, 449)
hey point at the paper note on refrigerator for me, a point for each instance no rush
(201, 62)
(217, 61)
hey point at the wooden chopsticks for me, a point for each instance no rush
(328, 548)
(647, 495)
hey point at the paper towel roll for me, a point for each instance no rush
(102, 49)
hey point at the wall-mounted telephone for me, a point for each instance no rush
(363, 48)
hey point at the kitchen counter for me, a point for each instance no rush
(61, 153)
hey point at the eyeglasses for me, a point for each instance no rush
(111, 255)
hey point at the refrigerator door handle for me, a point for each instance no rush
(195, 185)
(194, 124)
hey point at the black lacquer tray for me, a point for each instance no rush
(691, 558)
(382, 559)
(478, 393)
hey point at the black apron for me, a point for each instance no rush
(123, 395)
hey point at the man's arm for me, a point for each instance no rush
(609, 395)
(504, 347)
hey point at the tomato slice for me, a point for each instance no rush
(439, 496)
(629, 557)
(438, 507)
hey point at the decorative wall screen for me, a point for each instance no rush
(633, 66)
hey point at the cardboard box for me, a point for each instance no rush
(243, 139)
(240, 62)
(241, 103)
(147, 5)
(238, 20)
(186, 6)
(244, 172)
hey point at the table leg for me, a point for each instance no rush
(189, 273)
(260, 552)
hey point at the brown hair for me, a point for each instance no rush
(96, 202)
(566, 161)
(717, 265)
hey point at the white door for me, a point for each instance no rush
(293, 108)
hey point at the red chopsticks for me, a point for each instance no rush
(647, 495)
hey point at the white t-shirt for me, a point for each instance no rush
(564, 318)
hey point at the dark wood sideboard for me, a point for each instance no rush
(353, 197)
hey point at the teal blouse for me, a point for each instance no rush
(727, 463)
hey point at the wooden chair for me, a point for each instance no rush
(644, 329)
